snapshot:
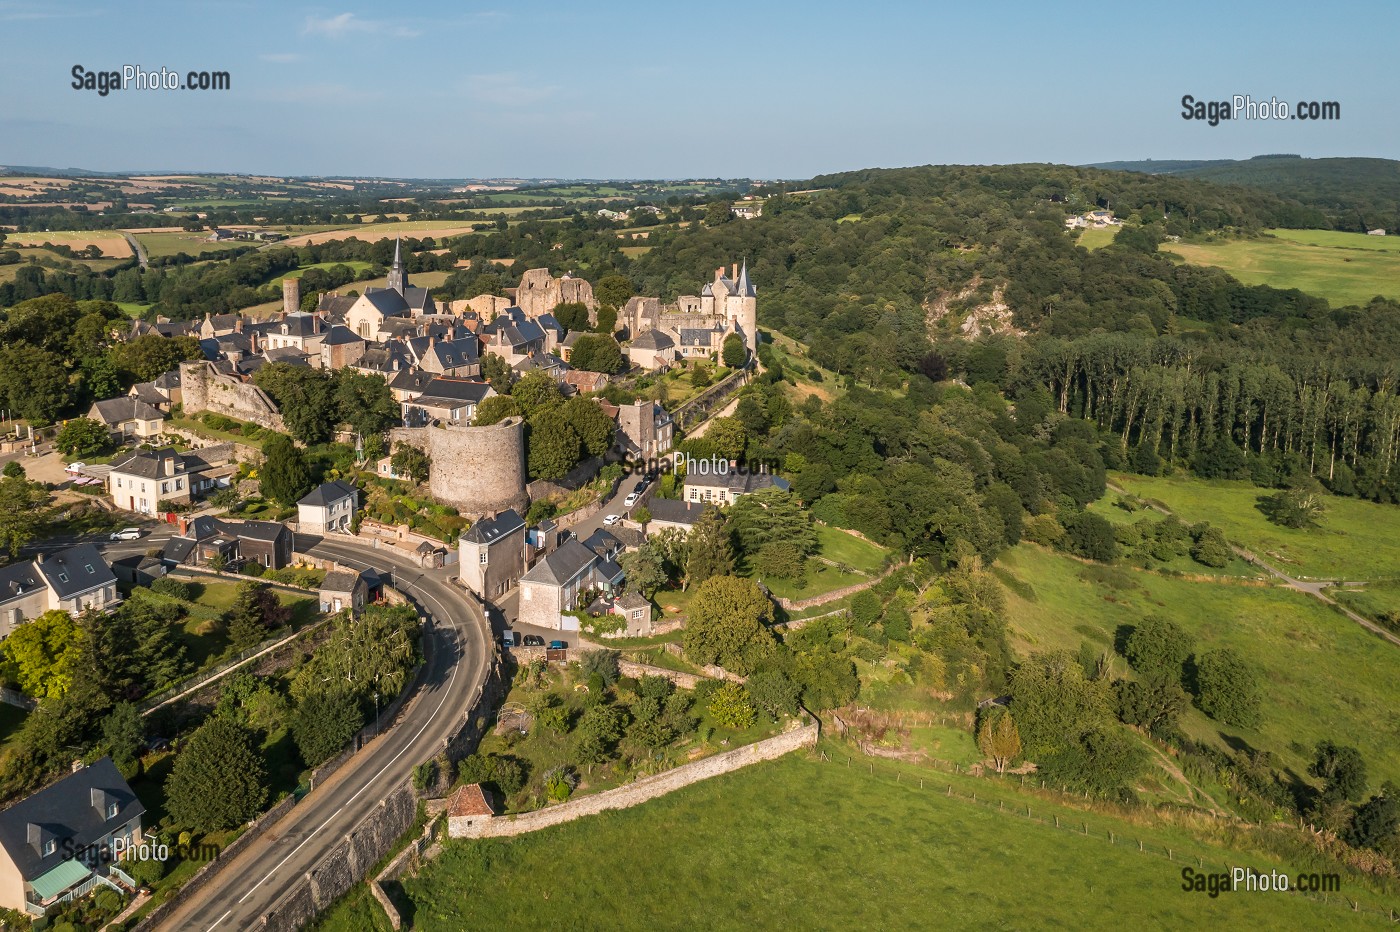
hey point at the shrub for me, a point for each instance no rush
(173, 588)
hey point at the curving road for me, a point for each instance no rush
(458, 651)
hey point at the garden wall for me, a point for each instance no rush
(641, 791)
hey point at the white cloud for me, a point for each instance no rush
(344, 24)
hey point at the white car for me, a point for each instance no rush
(127, 533)
(610, 520)
(630, 500)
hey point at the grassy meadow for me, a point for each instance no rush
(1323, 676)
(1344, 268)
(1098, 237)
(1355, 540)
(802, 843)
(174, 243)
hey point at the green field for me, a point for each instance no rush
(1323, 676)
(1097, 238)
(1237, 567)
(804, 844)
(1344, 268)
(1356, 539)
(170, 244)
(355, 264)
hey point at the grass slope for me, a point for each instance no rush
(798, 843)
(1322, 676)
(1356, 539)
(1344, 268)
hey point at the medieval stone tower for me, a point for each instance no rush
(291, 295)
(477, 470)
(735, 301)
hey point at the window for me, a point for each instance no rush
(62, 577)
(119, 482)
(88, 567)
(483, 558)
(179, 484)
(50, 846)
(164, 487)
(112, 810)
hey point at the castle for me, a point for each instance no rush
(695, 326)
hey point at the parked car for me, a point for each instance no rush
(641, 485)
(508, 639)
(126, 533)
(534, 640)
(558, 645)
(630, 500)
(610, 520)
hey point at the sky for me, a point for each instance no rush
(668, 90)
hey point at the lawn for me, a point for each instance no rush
(202, 631)
(849, 550)
(1322, 675)
(805, 844)
(1344, 268)
(1098, 237)
(1238, 567)
(1356, 539)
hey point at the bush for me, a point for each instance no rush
(250, 568)
(731, 708)
(174, 589)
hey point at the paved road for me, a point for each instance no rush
(137, 248)
(1315, 588)
(262, 873)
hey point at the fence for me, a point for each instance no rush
(1076, 825)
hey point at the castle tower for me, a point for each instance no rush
(398, 278)
(291, 295)
(745, 304)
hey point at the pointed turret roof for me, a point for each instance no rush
(745, 288)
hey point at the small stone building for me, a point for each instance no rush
(469, 811)
(342, 589)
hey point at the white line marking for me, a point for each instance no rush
(443, 701)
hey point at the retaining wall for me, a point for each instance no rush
(641, 791)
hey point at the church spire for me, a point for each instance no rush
(398, 279)
(745, 289)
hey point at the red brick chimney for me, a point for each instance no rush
(238, 324)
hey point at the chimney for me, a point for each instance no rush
(253, 342)
(38, 558)
(238, 324)
(719, 273)
(432, 341)
(167, 465)
(283, 315)
(734, 271)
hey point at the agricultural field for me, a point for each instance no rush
(356, 264)
(826, 846)
(1356, 539)
(112, 244)
(169, 243)
(1324, 676)
(373, 232)
(1344, 268)
(1097, 238)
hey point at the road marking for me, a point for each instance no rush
(445, 693)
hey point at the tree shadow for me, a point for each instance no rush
(1121, 634)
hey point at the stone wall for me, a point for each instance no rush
(641, 791)
(478, 470)
(539, 293)
(207, 389)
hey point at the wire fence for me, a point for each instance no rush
(1075, 825)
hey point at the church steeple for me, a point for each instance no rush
(398, 278)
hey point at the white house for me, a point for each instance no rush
(331, 506)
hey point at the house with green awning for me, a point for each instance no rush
(63, 841)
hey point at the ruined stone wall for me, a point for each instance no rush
(539, 293)
(477, 470)
(486, 306)
(206, 389)
(641, 791)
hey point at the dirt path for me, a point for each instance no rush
(1315, 588)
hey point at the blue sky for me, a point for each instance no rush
(663, 90)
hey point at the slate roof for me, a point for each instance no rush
(300, 324)
(127, 408)
(631, 600)
(340, 581)
(411, 380)
(177, 550)
(65, 812)
(327, 493)
(168, 380)
(339, 335)
(562, 565)
(653, 339)
(675, 511)
(601, 542)
(446, 388)
(693, 336)
(387, 301)
(256, 530)
(150, 464)
(75, 570)
(147, 393)
(335, 305)
(18, 580)
(493, 529)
